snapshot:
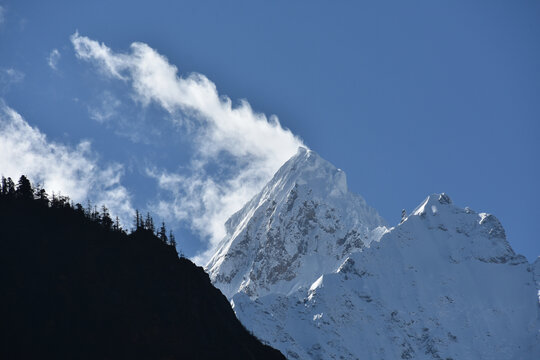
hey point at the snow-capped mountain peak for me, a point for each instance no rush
(305, 167)
(311, 269)
(301, 225)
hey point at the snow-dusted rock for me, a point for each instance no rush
(443, 284)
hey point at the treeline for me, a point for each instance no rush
(24, 190)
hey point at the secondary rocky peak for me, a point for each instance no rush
(432, 204)
(482, 235)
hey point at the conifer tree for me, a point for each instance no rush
(4, 186)
(106, 220)
(162, 233)
(79, 209)
(88, 210)
(172, 240)
(9, 187)
(54, 201)
(41, 195)
(95, 214)
(149, 223)
(60, 201)
(138, 220)
(24, 189)
(116, 226)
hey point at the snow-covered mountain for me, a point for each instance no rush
(313, 271)
(301, 225)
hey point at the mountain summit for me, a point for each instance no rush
(302, 224)
(311, 269)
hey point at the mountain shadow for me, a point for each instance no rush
(73, 287)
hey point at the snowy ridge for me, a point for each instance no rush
(301, 225)
(444, 284)
(313, 271)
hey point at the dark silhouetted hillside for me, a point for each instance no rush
(73, 287)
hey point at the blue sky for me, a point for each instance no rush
(409, 98)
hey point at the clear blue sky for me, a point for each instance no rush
(409, 98)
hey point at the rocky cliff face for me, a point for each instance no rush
(312, 270)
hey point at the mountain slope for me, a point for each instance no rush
(300, 225)
(73, 290)
(443, 284)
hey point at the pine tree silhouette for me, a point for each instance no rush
(24, 189)
(116, 226)
(4, 186)
(41, 195)
(172, 240)
(106, 220)
(8, 188)
(149, 223)
(138, 220)
(162, 233)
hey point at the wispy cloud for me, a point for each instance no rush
(73, 171)
(107, 108)
(9, 77)
(53, 59)
(236, 150)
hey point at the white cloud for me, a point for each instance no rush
(73, 171)
(14, 75)
(53, 59)
(106, 110)
(246, 147)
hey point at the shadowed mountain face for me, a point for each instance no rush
(72, 289)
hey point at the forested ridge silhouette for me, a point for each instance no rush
(75, 285)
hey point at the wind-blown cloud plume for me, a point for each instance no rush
(246, 147)
(72, 171)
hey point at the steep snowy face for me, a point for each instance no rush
(301, 225)
(444, 284)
